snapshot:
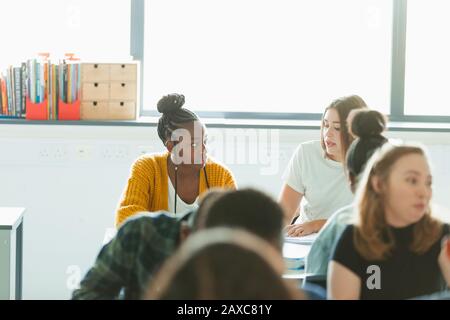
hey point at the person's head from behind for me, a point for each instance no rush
(181, 131)
(248, 209)
(395, 191)
(367, 127)
(205, 201)
(334, 135)
(221, 263)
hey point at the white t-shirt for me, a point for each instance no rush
(181, 205)
(321, 180)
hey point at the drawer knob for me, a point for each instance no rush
(95, 66)
(94, 103)
(96, 84)
(123, 84)
(121, 104)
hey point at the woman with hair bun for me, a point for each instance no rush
(172, 181)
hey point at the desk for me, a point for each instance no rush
(294, 255)
(11, 236)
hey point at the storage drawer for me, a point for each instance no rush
(123, 91)
(95, 91)
(123, 72)
(93, 110)
(122, 110)
(92, 72)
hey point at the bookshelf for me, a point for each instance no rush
(40, 90)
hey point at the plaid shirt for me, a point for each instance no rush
(132, 258)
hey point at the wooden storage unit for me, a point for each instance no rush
(109, 91)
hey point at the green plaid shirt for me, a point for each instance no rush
(132, 258)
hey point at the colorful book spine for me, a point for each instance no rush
(23, 71)
(55, 90)
(38, 82)
(10, 92)
(4, 95)
(69, 84)
(1, 97)
(48, 90)
(18, 91)
(32, 80)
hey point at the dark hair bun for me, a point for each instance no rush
(170, 103)
(368, 123)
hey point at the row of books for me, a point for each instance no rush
(13, 91)
(36, 82)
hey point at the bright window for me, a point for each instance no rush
(427, 58)
(283, 56)
(92, 29)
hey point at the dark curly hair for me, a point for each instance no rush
(173, 114)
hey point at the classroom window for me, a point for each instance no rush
(270, 56)
(92, 29)
(427, 58)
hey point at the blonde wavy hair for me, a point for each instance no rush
(372, 236)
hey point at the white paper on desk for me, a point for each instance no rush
(309, 239)
(295, 251)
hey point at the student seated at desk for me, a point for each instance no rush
(223, 264)
(316, 173)
(130, 261)
(173, 181)
(233, 210)
(394, 251)
(367, 127)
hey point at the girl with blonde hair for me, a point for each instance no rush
(397, 249)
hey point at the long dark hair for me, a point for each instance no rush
(367, 126)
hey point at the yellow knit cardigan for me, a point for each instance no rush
(147, 188)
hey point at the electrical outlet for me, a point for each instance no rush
(53, 152)
(44, 153)
(83, 152)
(115, 152)
(121, 152)
(59, 153)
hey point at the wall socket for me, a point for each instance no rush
(83, 152)
(115, 152)
(53, 152)
(61, 152)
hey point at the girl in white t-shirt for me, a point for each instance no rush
(316, 173)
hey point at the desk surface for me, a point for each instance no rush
(10, 218)
(294, 255)
(295, 250)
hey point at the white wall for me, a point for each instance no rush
(70, 178)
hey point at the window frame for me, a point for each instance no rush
(397, 110)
